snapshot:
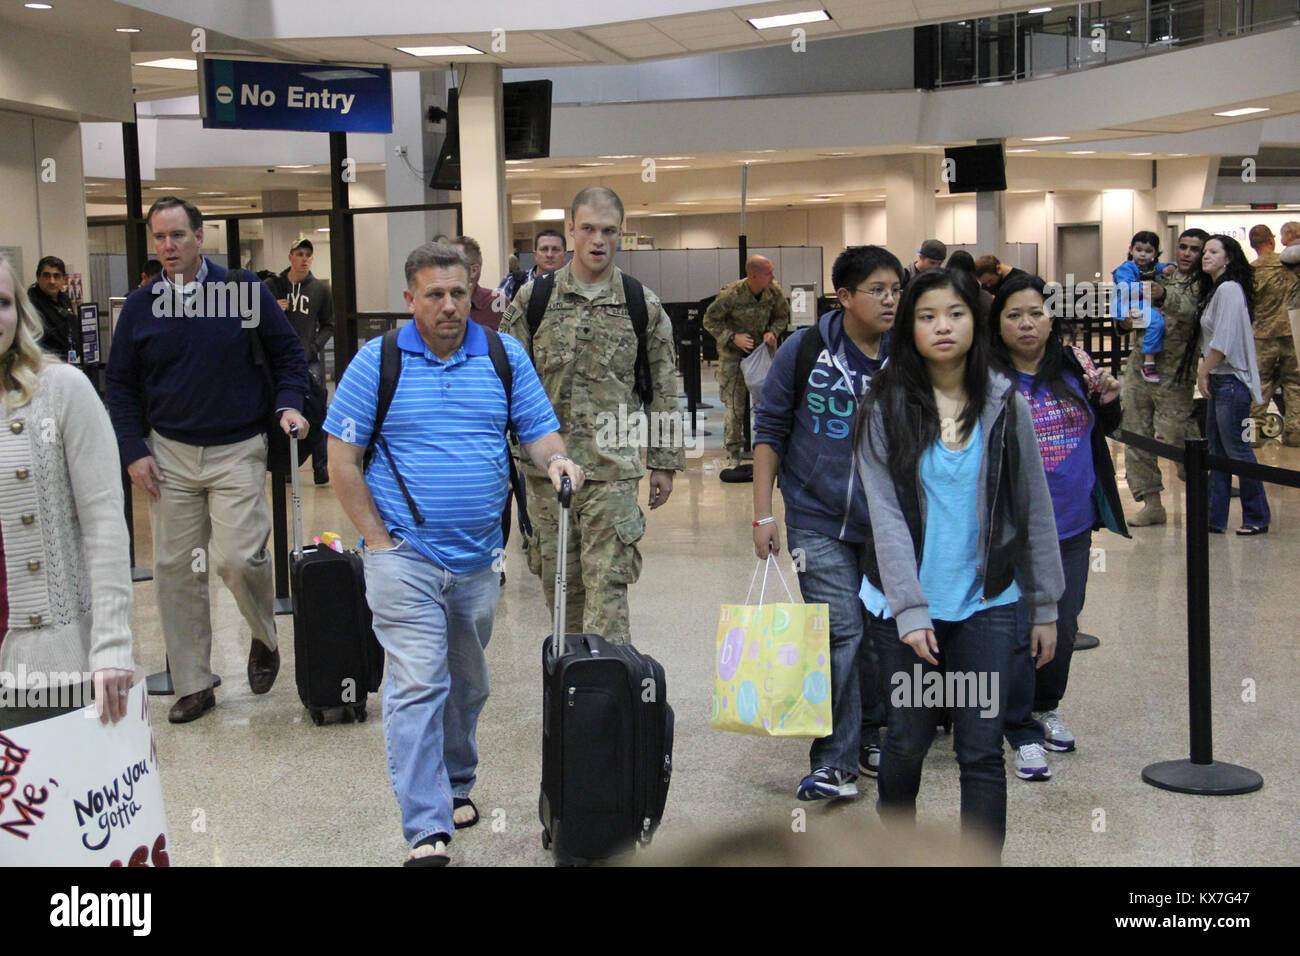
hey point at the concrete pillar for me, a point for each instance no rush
(413, 94)
(909, 203)
(991, 215)
(278, 234)
(482, 167)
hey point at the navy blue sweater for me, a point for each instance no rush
(193, 379)
(818, 471)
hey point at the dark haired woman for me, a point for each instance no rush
(1074, 406)
(1228, 375)
(962, 529)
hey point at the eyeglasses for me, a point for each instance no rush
(882, 292)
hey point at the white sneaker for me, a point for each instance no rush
(1056, 735)
(1031, 763)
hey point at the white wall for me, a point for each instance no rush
(48, 74)
(43, 218)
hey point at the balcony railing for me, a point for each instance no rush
(1058, 39)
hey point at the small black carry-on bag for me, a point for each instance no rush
(607, 737)
(337, 660)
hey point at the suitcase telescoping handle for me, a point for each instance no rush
(561, 568)
(297, 499)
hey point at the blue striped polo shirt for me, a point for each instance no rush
(446, 429)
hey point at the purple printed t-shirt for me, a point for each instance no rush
(1065, 442)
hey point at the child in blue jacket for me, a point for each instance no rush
(1128, 302)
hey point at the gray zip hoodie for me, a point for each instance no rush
(1038, 563)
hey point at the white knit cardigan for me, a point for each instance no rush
(65, 540)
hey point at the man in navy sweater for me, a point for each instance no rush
(190, 407)
(803, 430)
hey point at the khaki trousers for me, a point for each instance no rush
(210, 496)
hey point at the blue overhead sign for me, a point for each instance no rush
(249, 94)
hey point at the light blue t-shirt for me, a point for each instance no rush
(950, 483)
(446, 430)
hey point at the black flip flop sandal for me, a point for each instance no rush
(433, 859)
(456, 804)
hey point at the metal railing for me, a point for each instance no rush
(1028, 45)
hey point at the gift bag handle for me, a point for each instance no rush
(767, 565)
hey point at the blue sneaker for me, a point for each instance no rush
(827, 784)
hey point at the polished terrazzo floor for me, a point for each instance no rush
(254, 782)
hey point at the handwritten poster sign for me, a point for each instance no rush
(75, 792)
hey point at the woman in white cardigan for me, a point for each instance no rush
(66, 570)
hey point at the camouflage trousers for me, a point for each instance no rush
(732, 391)
(605, 524)
(1278, 372)
(1161, 412)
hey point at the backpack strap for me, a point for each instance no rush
(805, 360)
(501, 363)
(634, 293)
(390, 370)
(543, 286)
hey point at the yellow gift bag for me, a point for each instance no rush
(773, 667)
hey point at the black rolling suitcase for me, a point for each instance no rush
(337, 660)
(607, 737)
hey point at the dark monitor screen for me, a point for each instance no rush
(526, 120)
(975, 169)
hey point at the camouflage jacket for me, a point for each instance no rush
(1274, 284)
(737, 310)
(585, 353)
(1179, 308)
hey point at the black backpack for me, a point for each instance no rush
(390, 370)
(634, 292)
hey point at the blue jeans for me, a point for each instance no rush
(1039, 689)
(831, 577)
(1227, 411)
(434, 626)
(981, 645)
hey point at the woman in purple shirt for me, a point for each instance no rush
(1074, 407)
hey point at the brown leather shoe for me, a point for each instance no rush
(192, 706)
(263, 665)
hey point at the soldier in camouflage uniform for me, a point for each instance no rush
(746, 312)
(1162, 410)
(1274, 346)
(585, 351)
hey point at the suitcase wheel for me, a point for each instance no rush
(546, 839)
(318, 717)
(359, 713)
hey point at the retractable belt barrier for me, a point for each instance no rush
(1201, 774)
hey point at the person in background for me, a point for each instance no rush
(481, 299)
(991, 272)
(952, 551)
(1279, 376)
(308, 304)
(60, 330)
(1227, 374)
(965, 262)
(152, 270)
(1074, 406)
(549, 250)
(803, 429)
(65, 575)
(929, 256)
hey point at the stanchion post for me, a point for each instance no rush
(128, 512)
(280, 544)
(1201, 774)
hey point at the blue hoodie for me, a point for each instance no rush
(818, 471)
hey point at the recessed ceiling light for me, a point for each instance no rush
(751, 160)
(440, 50)
(669, 159)
(1244, 111)
(323, 229)
(758, 199)
(788, 19)
(1177, 155)
(520, 169)
(760, 151)
(211, 194)
(818, 199)
(1041, 10)
(828, 195)
(526, 200)
(1080, 152)
(38, 6)
(689, 203)
(589, 165)
(552, 214)
(1022, 151)
(1139, 154)
(172, 63)
(1045, 139)
(678, 166)
(624, 156)
(516, 162)
(166, 188)
(127, 29)
(834, 154)
(294, 166)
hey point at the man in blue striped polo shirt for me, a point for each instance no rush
(430, 576)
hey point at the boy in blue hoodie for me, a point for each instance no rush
(804, 433)
(1142, 265)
